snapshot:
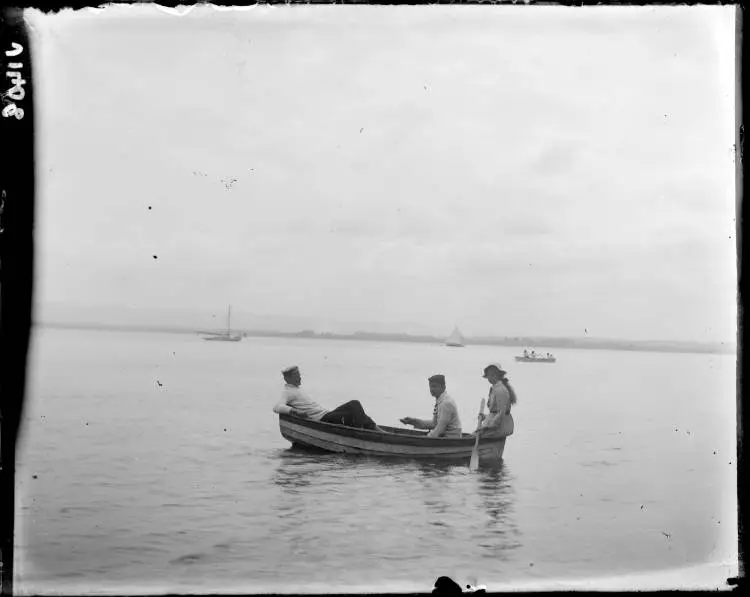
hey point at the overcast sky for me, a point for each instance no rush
(512, 170)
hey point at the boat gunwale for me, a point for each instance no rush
(409, 438)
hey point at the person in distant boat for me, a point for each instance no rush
(526, 353)
(295, 401)
(445, 421)
(502, 397)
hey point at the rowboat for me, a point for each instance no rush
(536, 360)
(393, 442)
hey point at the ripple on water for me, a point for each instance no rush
(139, 549)
(76, 509)
(71, 574)
(188, 559)
(599, 463)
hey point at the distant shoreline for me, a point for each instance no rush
(518, 341)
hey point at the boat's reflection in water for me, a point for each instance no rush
(435, 503)
(453, 495)
(496, 490)
(294, 470)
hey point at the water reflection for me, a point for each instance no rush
(436, 469)
(442, 501)
(297, 469)
(295, 476)
(495, 488)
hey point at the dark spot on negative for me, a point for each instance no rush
(155, 257)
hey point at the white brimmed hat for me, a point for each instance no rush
(497, 366)
(289, 369)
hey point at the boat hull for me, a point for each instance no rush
(223, 338)
(532, 360)
(394, 443)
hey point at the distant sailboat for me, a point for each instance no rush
(455, 339)
(225, 336)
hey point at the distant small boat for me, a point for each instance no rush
(225, 336)
(533, 357)
(455, 339)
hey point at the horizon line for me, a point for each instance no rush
(344, 335)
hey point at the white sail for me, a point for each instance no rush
(455, 339)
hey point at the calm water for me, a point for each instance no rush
(622, 463)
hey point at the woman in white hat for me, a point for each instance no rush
(502, 397)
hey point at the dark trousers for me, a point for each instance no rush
(350, 414)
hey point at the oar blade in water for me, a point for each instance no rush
(474, 462)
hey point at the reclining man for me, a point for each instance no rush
(295, 401)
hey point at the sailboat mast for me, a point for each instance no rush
(229, 319)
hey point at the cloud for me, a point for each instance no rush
(375, 171)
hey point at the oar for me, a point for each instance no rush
(474, 462)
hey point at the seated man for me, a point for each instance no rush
(295, 401)
(445, 421)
